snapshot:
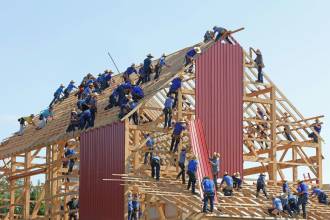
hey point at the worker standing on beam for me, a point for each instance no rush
(176, 135)
(302, 197)
(155, 166)
(191, 54)
(147, 68)
(287, 132)
(182, 160)
(259, 64)
(168, 105)
(192, 169)
(261, 185)
(149, 148)
(160, 65)
(208, 190)
(215, 167)
(57, 95)
(174, 88)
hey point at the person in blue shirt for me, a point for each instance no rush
(113, 99)
(85, 117)
(191, 54)
(215, 167)
(43, 117)
(261, 185)
(317, 127)
(192, 169)
(302, 190)
(228, 189)
(141, 75)
(285, 186)
(182, 160)
(137, 93)
(176, 135)
(174, 88)
(292, 200)
(129, 205)
(69, 89)
(147, 68)
(88, 90)
(208, 190)
(277, 206)
(160, 65)
(149, 147)
(155, 166)
(285, 203)
(128, 72)
(136, 206)
(130, 106)
(219, 32)
(57, 95)
(168, 105)
(92, 103)
(322, 197)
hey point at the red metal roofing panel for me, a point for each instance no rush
(219, 102)
(102, 153)
(198, 144)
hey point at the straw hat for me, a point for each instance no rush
(197, 49)
(149, 55)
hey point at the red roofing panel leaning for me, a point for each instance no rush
(102, 154)
(219, 102)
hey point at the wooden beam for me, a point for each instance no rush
(27, 174)
(259, 92)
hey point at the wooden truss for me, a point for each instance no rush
(169, 194)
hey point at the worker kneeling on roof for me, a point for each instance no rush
(228, 189)
(191, 54)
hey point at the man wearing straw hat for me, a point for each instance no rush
(147, 67)
(192, 169)
(302, 197)
(191, 54)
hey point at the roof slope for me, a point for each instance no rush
(55, 129)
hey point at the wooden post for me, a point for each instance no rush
(273, 171)
(47, 182)
(319, 163)
(294, 168)
(179, 118)
(26, 210)
(12, 189)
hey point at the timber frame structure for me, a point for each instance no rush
(281, 157)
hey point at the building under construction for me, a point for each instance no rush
(219, 102)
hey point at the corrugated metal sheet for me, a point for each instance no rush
(102, 153)
(219, 102)
(199, 147)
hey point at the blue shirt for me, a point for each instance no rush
(69, 152)
(317, 191)
(176, 84)
(107, 77)
(191, 53)
(277, 204)
(46, 113)
(161, 62)
(137, 90)
(141, 71)
(215, 164)
(317, 129)
(130, 203)
(178, 128)
(130, 70)
(87, 91)
(150, 142)
(182, 158)
(70, 87)
(126, 85)
(219, 30)
(90, 81)
(208, 186)
(59, 91)
(135, 204)
(285, 187)
(303, 188)
(156, 158)
(228, 180)
(261, 179)
(192, 166)
(146, 63)
(169, 103)
(132, 104)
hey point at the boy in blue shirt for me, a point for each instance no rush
(277, 206)
(168, 105)
(128, 72)
(191, 54)
(160, 65)
(69, 89)
(57, 95)
(317, 127)
(192, 169)
(228, 189)
(208, 190)
(302, 197)
(176, 135)
(174, 88)
(322, 197)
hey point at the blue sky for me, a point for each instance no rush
(45, 43)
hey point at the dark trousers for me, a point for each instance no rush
(263, 188)
(237, 183)
(72, 126)
(66, 94)
(73, 216)
(188, 60)
(147, 73)
(140, 80)
(155, 170)
(293, 205)
(191, 181)
(55, 99)
(85, 122)
(302, 201)
(288, 136)
(158, 70)
(175, 142)
(133, 214)
(323, 198)
(112, 102)
(93, 115)
(182, 173)
(208, 197)
(146, 156)
(228, 191)
(71, 165)
(168, 117)
(260, 75)
(175, 98)
(286, 207)
(215, 177)
(135, 118)
(314, 136)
